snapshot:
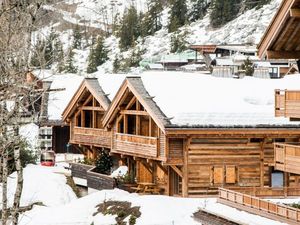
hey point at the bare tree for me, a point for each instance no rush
(19, 92)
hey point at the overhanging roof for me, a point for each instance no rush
(92, 85)
(282, 38)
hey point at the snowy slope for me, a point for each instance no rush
(41, 184)
(247, 28)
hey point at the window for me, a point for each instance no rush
(277, 179)
(273, 71)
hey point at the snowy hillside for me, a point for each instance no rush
(97, 16)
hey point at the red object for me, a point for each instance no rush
(48, 158)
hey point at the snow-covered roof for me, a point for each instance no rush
(239, 48)
(58, 100)
(197, 100)
(155, 66)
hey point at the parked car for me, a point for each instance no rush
(48, 158)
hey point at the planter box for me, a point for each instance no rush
(99, 181)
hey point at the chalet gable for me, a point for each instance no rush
(281, 40)
(88, 91)
(133, 90)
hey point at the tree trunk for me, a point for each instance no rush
(17, 197)
(4, 187)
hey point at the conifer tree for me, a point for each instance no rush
(117, 64)
(104, 163)
(97, 56)
(69, 67)
(178, 42)
(38, 54)
(77, 37)
(178, 16)
(198, 9)
(129, 30)
(258, 4)
(224, 11)
(152, 19)
(92, 66)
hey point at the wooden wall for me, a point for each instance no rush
(227, 161)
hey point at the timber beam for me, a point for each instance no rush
(134, 112)
(283, 54)
(177, 170)
(295, 13)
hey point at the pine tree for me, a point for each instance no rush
(178, 16)
(250, 4)
(92, 66)
(50, 49)
(104, 163)
(224, 11)
(248, 67)
(130, 28)
(97, 56)
(117, 64)
(77, 37)
(152, 19)
(178, 42)
(198, 9)
(38, 54)
(69, 67)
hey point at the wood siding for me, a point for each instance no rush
(287, 103)
(135, 145)
(91, 136)
(287, 157)
(175, 149)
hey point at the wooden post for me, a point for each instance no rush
(150, 126)
(262, 167)
(185, 167)
(82, 118)
(168, 182)
(138, 119)
(125, 124)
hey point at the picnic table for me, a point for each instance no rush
(146, 188)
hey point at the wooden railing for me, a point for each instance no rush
(268, 192)
(287, 103)
(287, 157)
(91, 136)
(259, 206)
(135, 145)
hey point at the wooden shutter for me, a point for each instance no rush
(218, 175)
(230, 174)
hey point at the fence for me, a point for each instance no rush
(259, 206)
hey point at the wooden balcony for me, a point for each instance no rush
(91, 136)
(287, 157)
(135, 145)
(287, 103)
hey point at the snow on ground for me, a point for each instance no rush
(48, 185)
(120, 172)
(156, 210)
(41, 184)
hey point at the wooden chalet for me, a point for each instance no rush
(84, 115)
(178, 132)
(281, 41)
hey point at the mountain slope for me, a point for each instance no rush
(97, 16)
